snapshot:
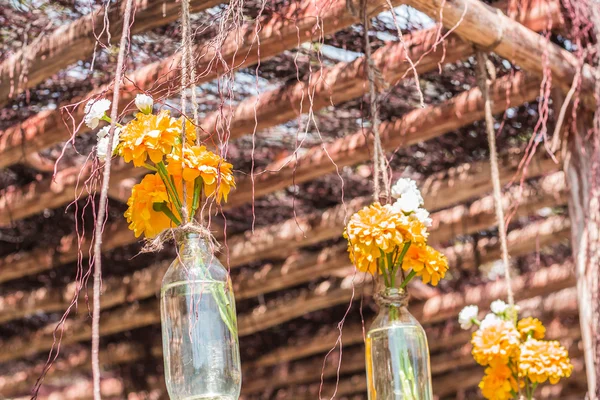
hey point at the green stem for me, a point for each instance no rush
(390, 269)
(408, 279)
(197, 195)
(162, 207)
(171, 191)
(109, 120)
(380, 262)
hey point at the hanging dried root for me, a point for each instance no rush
(101, 216)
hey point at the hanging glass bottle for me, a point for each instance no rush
(199, 327)
(397, 355)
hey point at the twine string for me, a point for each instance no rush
(188, 78)
(380, 171)
(485, 70)
(399, 298)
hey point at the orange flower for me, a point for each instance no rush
(141, 215)
(373, 230)
(531, 326)
(428, 263)
(413, 230)
(197, 161)
(494, 342)
(498, 382)
(542, 360)
(149, 136)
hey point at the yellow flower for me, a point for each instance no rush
(428, 263)
(531, 326)
(141, 215)
(543, 360)
(498, 382)
(197, 161)
(149, 136)
(495, 342)
(413, 230)
(370, 231)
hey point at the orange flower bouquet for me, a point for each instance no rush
(391, 239)
(515, 356)
(390, 242)
(153, 141)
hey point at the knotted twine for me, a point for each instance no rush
(380, 171)
(485, 74)
(399, 298)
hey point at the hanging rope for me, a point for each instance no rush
(380, 171)
(186, 49)
(188, 78)
(101, 216)
(486, 73)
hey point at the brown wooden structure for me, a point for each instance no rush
(294, 274)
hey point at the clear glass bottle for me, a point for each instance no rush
(397, 355)
(199, 326)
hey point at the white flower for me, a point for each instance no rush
(489, 320)
(94, 111)
(409, 202)
(498, 307)
(423, 216)
(144, 103)
(102, 147)
(467, 316)
(405, 185)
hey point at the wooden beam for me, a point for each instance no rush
(302, 267)
(292, 25)
(543, 282)
(491, 30)
(21, 382)
(548, 191)
(522, 241)
(581, 173)
(352, 359)
(17, 203)
(76, 41)
(415, 126)
(346, 81)
(439, 190)
(81, 389)
(136, 316)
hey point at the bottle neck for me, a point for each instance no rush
(192, 245)
(387, 297)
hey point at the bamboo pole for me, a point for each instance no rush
(491, 30)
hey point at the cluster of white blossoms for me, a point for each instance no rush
(468, 316)
(409, 200)
(95, 111)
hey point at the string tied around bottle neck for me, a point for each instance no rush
(178, 234)
(392, 297)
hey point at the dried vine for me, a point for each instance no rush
(101, 216)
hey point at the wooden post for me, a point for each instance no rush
(581, 171)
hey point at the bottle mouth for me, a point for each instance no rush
(392, 297)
